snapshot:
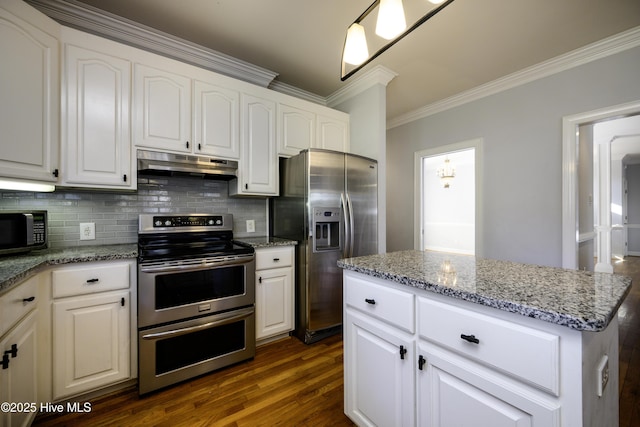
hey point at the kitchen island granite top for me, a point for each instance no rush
(580, 300)
(264, 241)
(15, 269)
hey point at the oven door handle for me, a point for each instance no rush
(222, 319)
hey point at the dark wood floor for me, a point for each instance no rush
(290, 383)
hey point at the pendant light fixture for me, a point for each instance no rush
(390, 26)
(446, 173)
(391, 21)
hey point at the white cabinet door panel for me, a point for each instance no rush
(216, 120)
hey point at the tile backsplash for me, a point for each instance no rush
(115, 214)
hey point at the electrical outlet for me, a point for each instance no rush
(251, 226)
(603, 375)
(87, 231)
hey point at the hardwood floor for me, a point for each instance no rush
(629, 317)
(290, 383)
(287, 384)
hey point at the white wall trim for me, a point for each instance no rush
(570, 124)
(377, 75)
(96, 21)
(418, 188)
(601, 49)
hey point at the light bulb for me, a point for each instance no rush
(355, 47)
(391, 21)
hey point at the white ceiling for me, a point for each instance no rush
(469, 43)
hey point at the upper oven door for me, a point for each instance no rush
(168, 293)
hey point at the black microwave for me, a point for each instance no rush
(22, 231)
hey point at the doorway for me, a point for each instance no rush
(447, 198)
(597, 147)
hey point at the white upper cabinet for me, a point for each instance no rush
(303, 125)
(216, 115)
(332, 131)
(258, 166)
(96, 129)
(297, 129)
(29, 93)
(162, 109)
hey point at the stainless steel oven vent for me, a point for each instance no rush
(156, 163)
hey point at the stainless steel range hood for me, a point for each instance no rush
(156, 163)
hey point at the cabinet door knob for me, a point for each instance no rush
(199, 147)
(370, 301)
(470, 338)
(187, 144)
(5, 361)
(246, 186)
(260, 279)
(403, 351)
(55, 173)
(421, 362)
(124, 177)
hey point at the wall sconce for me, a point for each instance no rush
(446, 173)
(390, 27)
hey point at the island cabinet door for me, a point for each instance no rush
(454, 391)
(379, 373)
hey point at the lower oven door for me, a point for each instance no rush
(179, 351)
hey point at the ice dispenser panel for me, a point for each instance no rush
(326, 226)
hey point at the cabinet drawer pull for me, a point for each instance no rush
(276, 259)
(92, 281)
(421, 362)
(28, 299)
(370, 301)
(403, 351)
(470, 338)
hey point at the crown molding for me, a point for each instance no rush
(377, 75)
(601, 49)
(287, 89)
(93, 20)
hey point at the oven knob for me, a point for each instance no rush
(219, 222)
(210, 222)
(158, 223)
(167, 223)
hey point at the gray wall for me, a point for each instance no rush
(522, 133)
(116, 214)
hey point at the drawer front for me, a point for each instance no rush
(16, 303)
(274, 257)
(391, 305)
(528, 354)
(88, 279)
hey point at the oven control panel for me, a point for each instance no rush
(188, 221)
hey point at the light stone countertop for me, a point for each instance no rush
(264, 241)
(15, 269)
(579, 300)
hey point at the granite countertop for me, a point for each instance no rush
(15, 269)
(264, 241)
(579, 300)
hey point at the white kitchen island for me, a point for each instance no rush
(434, 339)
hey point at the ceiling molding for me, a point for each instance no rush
(601, 49)
(96, 21)
(376, 75)
(287, 89)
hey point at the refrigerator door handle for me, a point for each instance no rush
(347, 231)
(351, 227)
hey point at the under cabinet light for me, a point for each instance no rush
(17, 185)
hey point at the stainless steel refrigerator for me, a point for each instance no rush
(329, 203)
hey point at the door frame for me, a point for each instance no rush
(419, 190)
(570, 232)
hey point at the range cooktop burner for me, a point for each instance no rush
(180, 237)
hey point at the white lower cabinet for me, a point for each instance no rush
(92, 312)
(416, 358)
(18, 373)
(274, 292)
(379, 383)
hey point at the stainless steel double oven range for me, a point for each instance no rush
(196, 298)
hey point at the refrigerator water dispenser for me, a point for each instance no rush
(326, 226)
